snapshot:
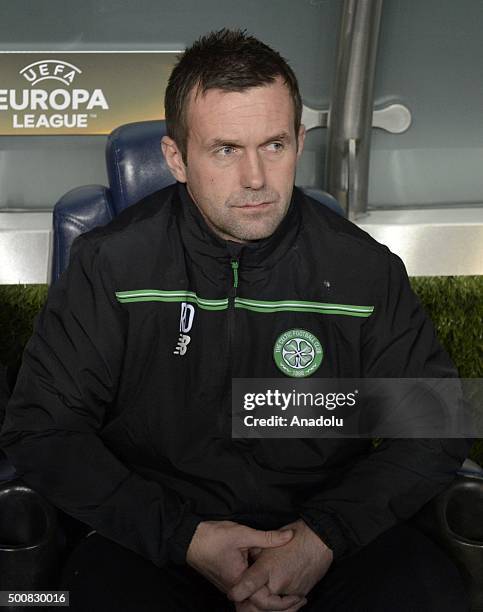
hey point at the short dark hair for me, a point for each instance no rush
(230, 60)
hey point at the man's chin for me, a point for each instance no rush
(251, 234)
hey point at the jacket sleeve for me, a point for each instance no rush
(393, 481)
(69, 377)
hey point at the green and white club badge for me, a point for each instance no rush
(297, 353)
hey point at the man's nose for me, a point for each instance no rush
(252, 170)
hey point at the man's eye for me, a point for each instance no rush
(275, 146)
(226, 151)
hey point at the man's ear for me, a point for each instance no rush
(173, 158)
(300, 140)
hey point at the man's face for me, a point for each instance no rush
(241, 159)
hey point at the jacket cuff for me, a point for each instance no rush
(328, 529)
(179, 542)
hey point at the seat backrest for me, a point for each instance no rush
(135, 163)
(135, 168)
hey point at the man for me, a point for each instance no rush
(121, 414)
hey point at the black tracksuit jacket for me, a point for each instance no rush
(114, 427)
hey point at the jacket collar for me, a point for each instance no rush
(259, 254)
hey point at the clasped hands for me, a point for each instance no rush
(260, 570)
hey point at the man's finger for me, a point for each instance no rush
(247, 606)
(264, 600)
(298, 606)
(252, 580)
(256, 538)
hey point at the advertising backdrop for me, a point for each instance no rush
(82, 92)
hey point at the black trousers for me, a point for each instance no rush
(402, 570)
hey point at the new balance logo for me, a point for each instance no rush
(185, 324)
(182, 345)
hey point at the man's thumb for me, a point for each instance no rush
(271, 539)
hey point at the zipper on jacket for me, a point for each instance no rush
(230, 342)
(235, 264)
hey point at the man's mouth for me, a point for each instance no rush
(252, 205)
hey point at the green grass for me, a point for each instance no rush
(18, 306)
(455, 305)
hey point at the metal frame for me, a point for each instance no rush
(352, 104)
